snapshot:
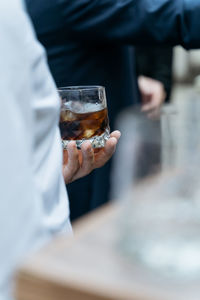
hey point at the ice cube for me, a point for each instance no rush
(88, 133)
(67, 115)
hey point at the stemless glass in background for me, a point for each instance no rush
(161, 220)
(84, 115)
(162, 228)
(138, 154)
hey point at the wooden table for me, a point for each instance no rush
(90, 266)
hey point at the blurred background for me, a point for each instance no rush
(163, 143)
(186, 66)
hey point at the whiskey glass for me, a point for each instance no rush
(84, 115)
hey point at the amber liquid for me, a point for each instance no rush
(78, 126)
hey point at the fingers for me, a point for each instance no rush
(65, 157)
(147, 107)
(81, 163)
(154, 105)
(106, 153)
(111, 144)
(77, 163)
(154, 114)
(153, 111)
(116, 134)
(72, 164)
(155, 91)
(110, 147)
(87, 158)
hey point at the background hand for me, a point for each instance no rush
(153, 96)
(79, 163)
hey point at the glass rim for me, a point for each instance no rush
(81, 88)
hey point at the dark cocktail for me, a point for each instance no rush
(84, 116)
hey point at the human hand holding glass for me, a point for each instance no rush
(79, 163)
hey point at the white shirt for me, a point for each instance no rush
(33, 199)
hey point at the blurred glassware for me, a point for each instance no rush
(161, 218)
(138, 153)
(162, 227)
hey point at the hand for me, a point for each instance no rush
(153, 95)
(79, 163)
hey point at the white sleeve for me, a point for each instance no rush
(33, 200)
(47, 143)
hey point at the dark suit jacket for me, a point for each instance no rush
(118, 21)
(90, 42)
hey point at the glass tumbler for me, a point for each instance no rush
(162, 225)
(161, 217)
(84, 115)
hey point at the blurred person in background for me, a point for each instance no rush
(34, 202)
(93, 41)
(142, 139)
(155, 63)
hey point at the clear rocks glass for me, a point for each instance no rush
(84, 115)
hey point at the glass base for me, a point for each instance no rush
(175, 259)
(96, 141)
